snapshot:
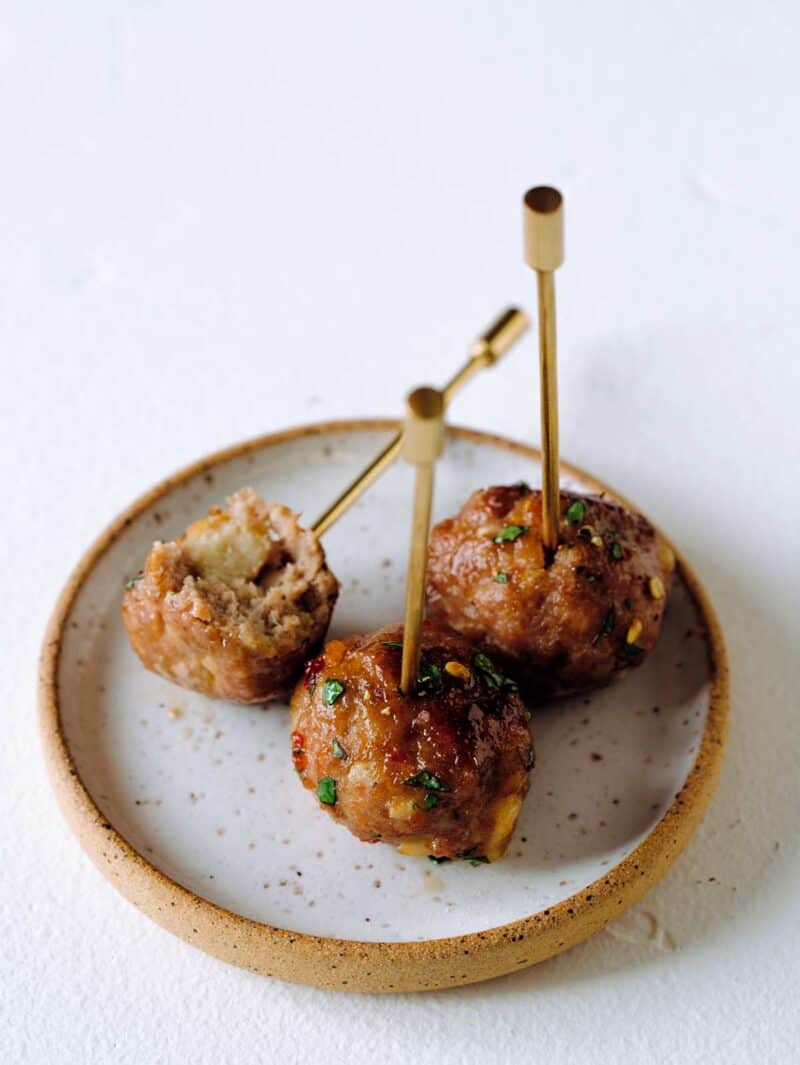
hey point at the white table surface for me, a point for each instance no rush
(222, 219)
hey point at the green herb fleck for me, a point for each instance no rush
(591, 577)
(134, 580)
(510, 533)
(394, 644)
(607, 627)
(331, 691)
(490, 676)
(479, 859)
(575, 512)
(616, 550)
(426, 779)
(431, 801)
(429, 680)
(500, 578)
(522, 485)
(338, 750)
(326, 791)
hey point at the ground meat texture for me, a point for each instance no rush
(235, 605)
(562, 624)
(442, 772)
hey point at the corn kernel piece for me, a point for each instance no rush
(458, 669)
(401, 808)
(597, 541)
(363, 773)
(634, 631)
(656, 587)
(504, 813)
(666, 556)
(415, 847)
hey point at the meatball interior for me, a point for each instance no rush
(563, 624)
(442, 772)
(236, 604)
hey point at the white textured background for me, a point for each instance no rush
(220, 219)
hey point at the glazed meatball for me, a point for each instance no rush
(235, 605)
(442, 772)
(563, 624)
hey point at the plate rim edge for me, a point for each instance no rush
(358, 965)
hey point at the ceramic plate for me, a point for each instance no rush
(193, 809)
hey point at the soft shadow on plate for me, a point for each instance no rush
(744, 857)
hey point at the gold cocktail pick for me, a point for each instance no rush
(487, 350)
(423, 441)
(543, 221)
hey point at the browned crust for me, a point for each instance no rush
(474, 738)
(349, 964)
(545, 623)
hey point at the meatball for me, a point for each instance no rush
(559, 624)
(235, 605)
(442, 772)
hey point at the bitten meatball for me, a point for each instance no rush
(442, 772)
(235, 605)
(562, 624)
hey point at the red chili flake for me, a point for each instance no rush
(298, 751)
(313, 668)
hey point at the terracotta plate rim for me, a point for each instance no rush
(358, 965)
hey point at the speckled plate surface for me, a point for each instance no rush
(192, 806)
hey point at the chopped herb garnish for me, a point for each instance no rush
(426, 779)
(616, 550)
(575, 512)
(431, 801)
(326, 791)
(439, 861)
(510, 533)
(479, 859)
(592, 577)
(491, 678)
(338, 750)
(607, 627)
(313, 668)
(500, 578)
(429, 680)
(331, 691)
(522, 485)
(134, 580)
(395, 644)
